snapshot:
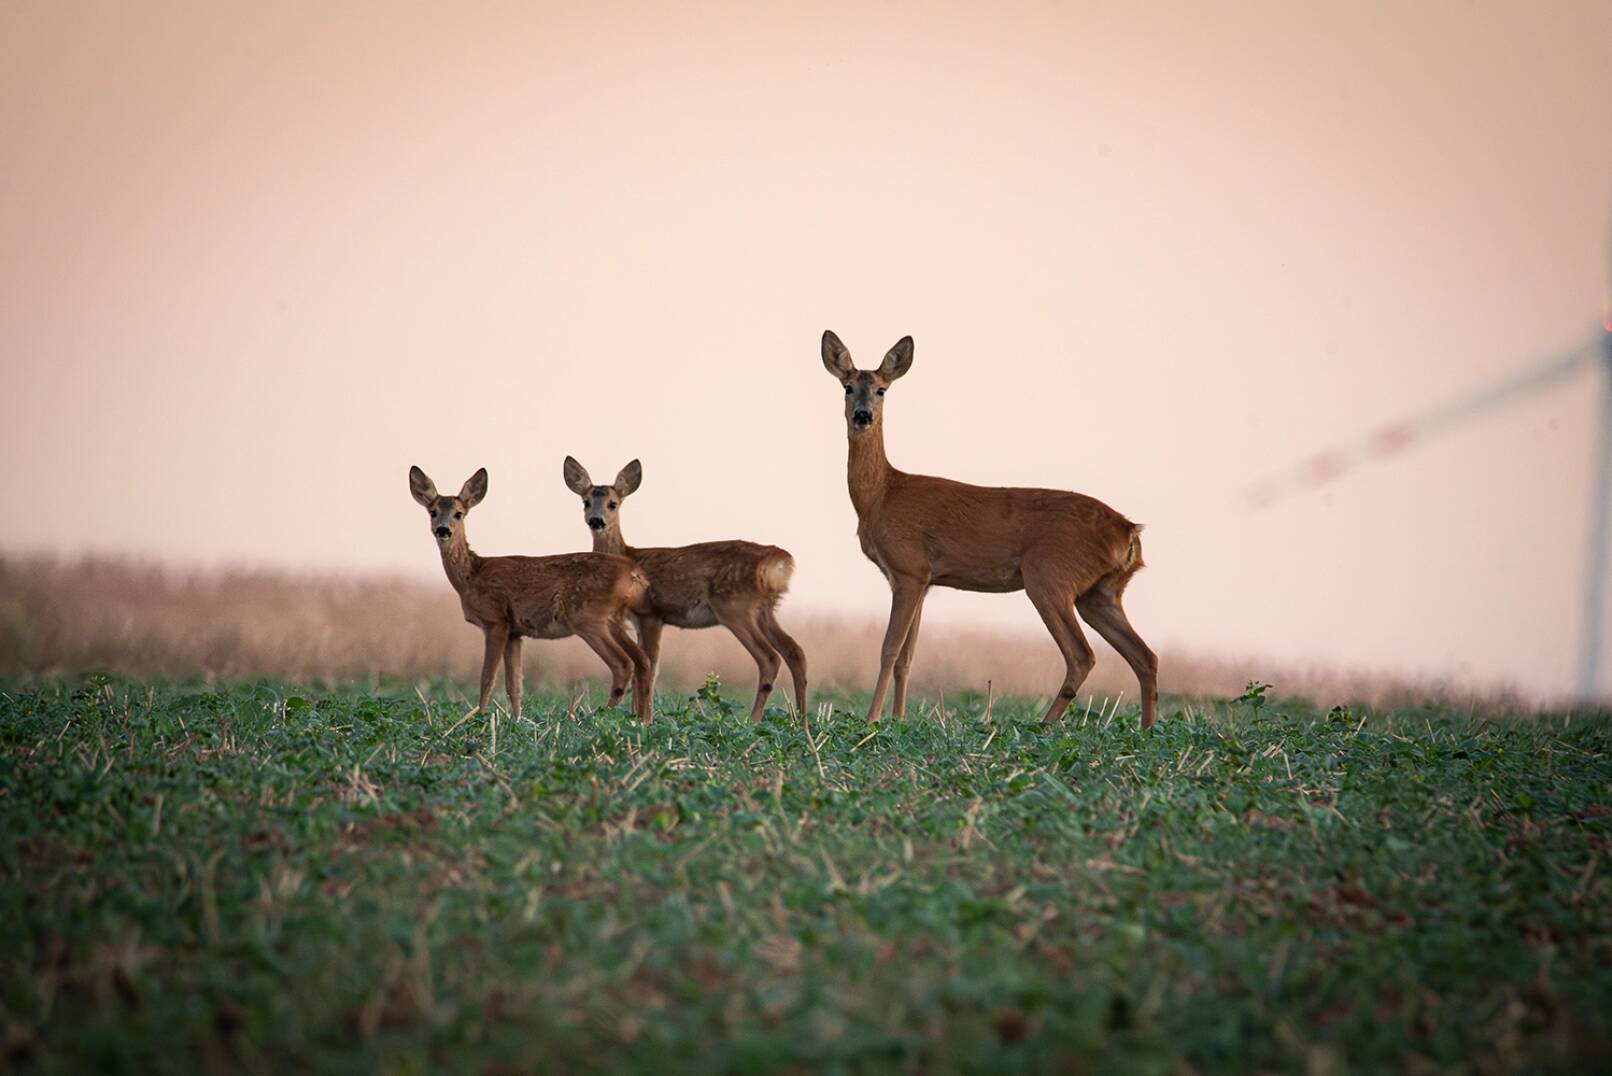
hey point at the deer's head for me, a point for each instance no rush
(447, 513)
(600, 504)
(864, 389)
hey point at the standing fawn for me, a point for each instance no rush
(1066, 551)
(735, 584)
(511, 598)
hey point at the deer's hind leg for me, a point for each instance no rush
(649, 629)
(643, 670)
(793, 655)
(615, 658)
(1055, 603)
(1102, 609)
(745, 625)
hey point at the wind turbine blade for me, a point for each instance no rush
(1332, 463)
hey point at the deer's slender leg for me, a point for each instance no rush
(1057, 612)
(742, 622)
(643, 671)
(615, 659)
(905, 594)
(649, 628)
(512, 673)
(904, 660)
(1102, 610)
(793, 655)
(494, 637)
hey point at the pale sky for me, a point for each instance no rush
(256, 260)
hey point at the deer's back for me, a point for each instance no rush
(979, 537)
(686, 580)
(545, 597)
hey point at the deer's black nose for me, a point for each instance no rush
(862, 417)
(596, 523)
(444, 532)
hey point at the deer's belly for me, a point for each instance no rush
(985, 583)
(543, 628)
(990, 574)
(542, 620)
(697, 614)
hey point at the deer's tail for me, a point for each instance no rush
(773, 572)
(1131, 560)
(637, 588)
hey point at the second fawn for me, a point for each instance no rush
(510, 598)
(735, 584)
(1066, 551)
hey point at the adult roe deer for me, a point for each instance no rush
(511, 598)
(1065, 550)
(735, 584)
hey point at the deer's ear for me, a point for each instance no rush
(898, 360)
(629, 478)
(474, 489)
(576, 477)
(423, 489)
(836, 359)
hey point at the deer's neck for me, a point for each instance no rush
(868, 469)
(610, 540)
(458, 562)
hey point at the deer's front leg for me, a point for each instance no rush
(909, 646)
(495, 636)
(905, 594)
(513, 673)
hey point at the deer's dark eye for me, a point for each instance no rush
(458, 515)
(879, 393)
(847, 390)
(611, 505)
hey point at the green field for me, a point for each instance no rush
(267, 878)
